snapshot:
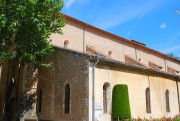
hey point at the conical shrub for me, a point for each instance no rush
(120, 103)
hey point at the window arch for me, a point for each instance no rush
(66, 43)
(167, 101)
(148, 101)
(67, 99)
(106, 97)
(110, 53)
(40, 100)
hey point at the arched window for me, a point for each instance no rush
(66, 43)
(110, 53)
(67, 99)
(106, 97)
(148, 101)
(40, 100)
(167, 101)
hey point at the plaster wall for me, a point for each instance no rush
(158, 86)
(71, 32)
(137, 84)
(174, 65)
(146, 57)
(178, 83)
(80, 37)
(90, 92)
(104, 44)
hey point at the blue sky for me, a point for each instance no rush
(152, 22)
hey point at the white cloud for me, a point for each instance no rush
(163, 25)
(172, 45)
(127, 13)
(172, 49)
(69, 3)
(129, 33)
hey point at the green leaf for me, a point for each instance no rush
(26, 25)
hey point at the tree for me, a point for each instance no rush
(173, 55)
(25, 28)
(120, 103)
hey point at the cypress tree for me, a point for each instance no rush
(120, 103)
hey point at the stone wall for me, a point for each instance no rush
(26, 106)
(71, 68)
(17, 98)
(68, 68)
(75, 69)
(46, 85)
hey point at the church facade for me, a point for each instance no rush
(86, 65)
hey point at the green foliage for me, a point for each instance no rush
(120, 103)
(25, 28)
(175, 118)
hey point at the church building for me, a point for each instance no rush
(87, 63)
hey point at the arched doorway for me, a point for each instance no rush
(106, 97)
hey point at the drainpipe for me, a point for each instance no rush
(93, 89)
(178, 94)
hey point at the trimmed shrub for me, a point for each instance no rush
(120, 103)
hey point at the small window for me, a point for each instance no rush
(148, 101)
(131, 60)
(172, 70)
(110, 53)
(154, 65)
(67, 99)
(66, 43)
(167, 101)
(40, 101)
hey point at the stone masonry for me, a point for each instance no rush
(68, 68)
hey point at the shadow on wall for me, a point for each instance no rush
(25, 104)
(15, 104)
